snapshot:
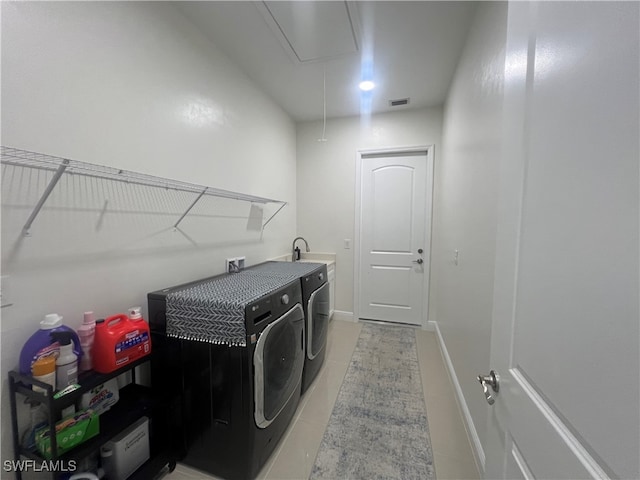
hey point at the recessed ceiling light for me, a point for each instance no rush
(367, 85)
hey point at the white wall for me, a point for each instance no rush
(130, 85)
(465, 205)
(326, 178)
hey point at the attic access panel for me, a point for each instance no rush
(313, 31)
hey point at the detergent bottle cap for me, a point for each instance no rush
(134, 313)
(44, 366)
(88, 318)
(51, 321)
(62, 337)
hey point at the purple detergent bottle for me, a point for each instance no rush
(41, 345)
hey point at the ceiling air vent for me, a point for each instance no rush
(399, 102)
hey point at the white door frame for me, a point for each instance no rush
(428, 149)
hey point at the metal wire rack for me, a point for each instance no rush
(61, 166)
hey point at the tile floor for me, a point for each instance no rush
(294, 457)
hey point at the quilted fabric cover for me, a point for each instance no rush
(213, 311)
(283, 270)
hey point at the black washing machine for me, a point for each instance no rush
(229, 353)
(316, 303)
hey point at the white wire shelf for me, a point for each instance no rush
(60, 166)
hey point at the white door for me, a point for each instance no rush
(566, 313)
(394, 248)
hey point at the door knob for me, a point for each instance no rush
(492, 380)
(418, 261)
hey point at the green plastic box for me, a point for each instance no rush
(70, 432)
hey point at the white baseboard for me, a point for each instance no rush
(342, 315)
(478, 451)
(429, 327)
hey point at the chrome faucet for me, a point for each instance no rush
(293, 247)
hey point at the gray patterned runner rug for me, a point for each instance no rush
(378, 428)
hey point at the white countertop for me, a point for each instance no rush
(309, 257)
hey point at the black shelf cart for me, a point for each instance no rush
(135, 401)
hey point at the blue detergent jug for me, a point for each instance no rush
(40, 344)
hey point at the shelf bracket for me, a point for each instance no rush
(271, 217)
(56, 176)
(190, 207)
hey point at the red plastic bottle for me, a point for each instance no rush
(120, 341)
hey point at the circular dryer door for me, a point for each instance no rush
(317, 321)
(278, 360)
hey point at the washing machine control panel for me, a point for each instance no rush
(266, 309)
(321, 276)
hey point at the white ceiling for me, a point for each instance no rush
(412, 49)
